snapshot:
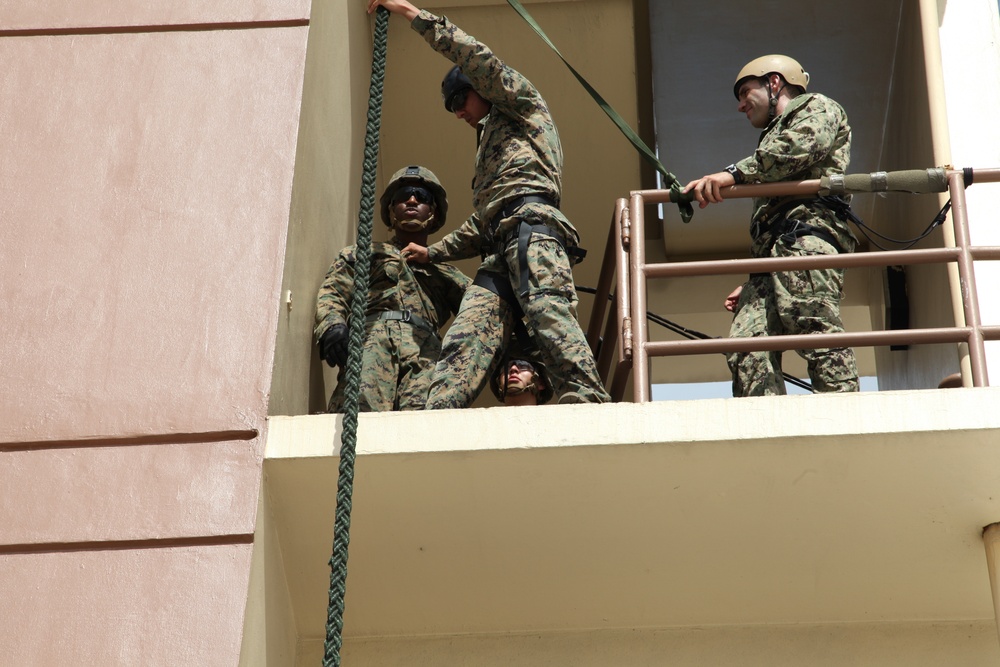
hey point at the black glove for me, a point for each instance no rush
(333, 345)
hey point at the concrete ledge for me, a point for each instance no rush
(715, 420)
(812, 509)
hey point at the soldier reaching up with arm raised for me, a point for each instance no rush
(517, 227)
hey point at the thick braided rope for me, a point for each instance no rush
(359, 303)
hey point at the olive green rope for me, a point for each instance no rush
(359, 303)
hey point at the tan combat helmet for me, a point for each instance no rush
(789, 69)
(424, 177)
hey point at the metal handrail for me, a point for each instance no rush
(625, 262)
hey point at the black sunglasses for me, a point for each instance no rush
(422, 195)
(457, 100)
(521, 365)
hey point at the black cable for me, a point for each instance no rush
(843, 210)
(909, 243)
(692, 334)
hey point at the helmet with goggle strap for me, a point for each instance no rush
(416, 177)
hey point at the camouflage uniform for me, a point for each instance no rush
(810, 139)
(519, 154)
(398, 357)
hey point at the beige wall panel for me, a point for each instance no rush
(325, 195)
(909, 144)
(129, 493)
(269, 632)
(874, 645)
(147, 183)
(61, 15)
(179, 606)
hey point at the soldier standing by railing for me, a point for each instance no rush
(806, 136)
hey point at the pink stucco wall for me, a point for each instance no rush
(146, 177)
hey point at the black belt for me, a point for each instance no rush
(511, 207)
(402, 316)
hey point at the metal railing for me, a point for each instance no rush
(624, 273)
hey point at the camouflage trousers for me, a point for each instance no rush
(396, 364)
(478, 338)
(794, 302)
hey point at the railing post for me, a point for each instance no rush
(967, 278)
(640, 328)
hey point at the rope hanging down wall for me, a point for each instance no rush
(359, 303)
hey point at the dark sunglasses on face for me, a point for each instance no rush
(458, 100)
(422, 195)
(521, 365)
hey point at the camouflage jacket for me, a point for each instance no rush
(431, 291)
(810, 139)
(519, 151)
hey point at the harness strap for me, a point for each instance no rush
(776, 224)
(524, 233)
(776, 215)
(500, 286)
(510, 208)
(799, 229)
(402, 316)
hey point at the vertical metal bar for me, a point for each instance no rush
(623, 299)
(640, 328)
(967, 278)
(940, 138)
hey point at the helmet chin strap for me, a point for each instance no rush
(517, 391)
(412, 224)
(772, 99)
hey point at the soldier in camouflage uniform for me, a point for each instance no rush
(805, 136)
(407, 304)
(517, 228)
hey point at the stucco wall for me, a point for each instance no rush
(270, 635)
(326, 195)
(147, 174)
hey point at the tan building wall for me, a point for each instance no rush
(147, 169)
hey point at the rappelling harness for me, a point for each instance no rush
(494, 243)
(775, 222)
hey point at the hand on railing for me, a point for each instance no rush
(708, 189)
